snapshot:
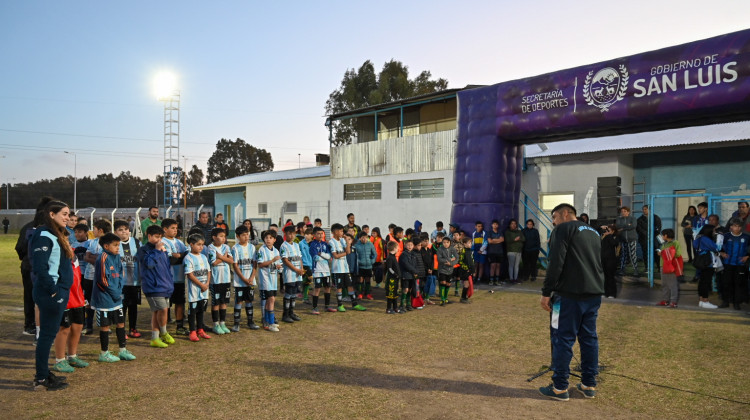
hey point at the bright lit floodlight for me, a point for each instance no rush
(165, 83)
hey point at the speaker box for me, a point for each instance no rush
(608, 181)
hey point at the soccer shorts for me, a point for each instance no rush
(131, 295)
(265, 294)
(72, 316)
(445, 278)
(365, 272)
(495, 258)
(219, 294)
(322, 282)
(157, 303)
(178, 296)
(107, 318)
(243, 294)
(291, 288)
(342, 280)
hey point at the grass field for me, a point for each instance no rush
(458, 361)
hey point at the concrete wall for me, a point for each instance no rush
(390, 209)
(311, 196)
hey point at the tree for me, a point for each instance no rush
(235, 158)
(362, 88)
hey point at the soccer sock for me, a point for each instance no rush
(305, 291)
(37, 331)
(222, 315)
(291, 304)
(315, 301)
(104, 340)
(248, 312)
(133, 319)
(286, 306)
(154, 334)
(353, 296)
(120, 337)
(214, 316)
(162, 329)
(191, 319)
(271, 317)
(199, 315)
(327, 299)
(367, 287)
(339, 299)
(464, 292)
(89, 319)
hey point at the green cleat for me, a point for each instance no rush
(63, 367)
(341, 308)
(108, 357)
(158, 344)
(218, 330)
(125, 354)
(359, 308)
(225, 329)
(167, 338)
(76, 362)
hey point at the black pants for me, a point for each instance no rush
(610, 284)
(735, 284)
(28, 300)
(689, 247)
(704, 284)
(529, 260)
(50, 314)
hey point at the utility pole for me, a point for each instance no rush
(117, 196)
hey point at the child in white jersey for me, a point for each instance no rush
(291, 256)
(268, 263)
(131, 290)
(220, 257)
(198, 274)
(177, 251)
(340, 268)
(244, 277)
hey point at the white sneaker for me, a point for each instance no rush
(707, 305)
(273, 328)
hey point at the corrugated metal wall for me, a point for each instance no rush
(420, 153)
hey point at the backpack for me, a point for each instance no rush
(703, 261)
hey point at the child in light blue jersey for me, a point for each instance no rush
(320, 254)
(291, 256)
(244, 277)
(340, 269)
(177, 252)
(198, 274)
(131, 289)
(220, 257)
(268, 263)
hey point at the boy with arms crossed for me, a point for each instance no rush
(131, 290)
(220, 257)
(177, 252)
(269, 264)
(244, 278)
(340, 269)
(291, 257)
(198, 273)
(101, 227)
(320, 253)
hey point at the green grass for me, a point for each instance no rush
(468, 361)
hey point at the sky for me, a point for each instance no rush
(78, 76)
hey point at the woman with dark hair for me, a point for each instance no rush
(704, 244)
(531, 248)
(584, 218)
(687, 231)
(514, 240)
(51, 264)
(253, 233)
(609, 260)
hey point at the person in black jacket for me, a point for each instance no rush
(609, 260)
(531, 248)
(408, 264)
(51, 265)
(392, 276)
(641, 227)
(575, 275)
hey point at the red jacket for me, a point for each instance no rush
(76, 299)
(670, 263)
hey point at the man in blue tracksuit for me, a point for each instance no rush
(575, 275)
(156, 283)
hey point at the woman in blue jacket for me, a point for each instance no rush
(704, 244)
(51, 265)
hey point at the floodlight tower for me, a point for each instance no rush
(167, 92)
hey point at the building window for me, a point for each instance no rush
(291, 207)
(262, 208)
(421, 188)
(549, 201)
(364, 191)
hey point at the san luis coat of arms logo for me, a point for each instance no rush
(605, 87)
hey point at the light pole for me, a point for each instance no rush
(75, 180)
(184, 180)
(7, 194)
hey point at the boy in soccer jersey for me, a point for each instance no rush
(304, 247)
(220, 257)
(291, 257)
(198, 275)
(93, 251)
(392, 277)
(320, 254)
(131, 290)
(447, 257)
(340, 269)
(157, 283)
(268, 262)
(244, 277)
(106, 298)
(177, 252)
(71, 325)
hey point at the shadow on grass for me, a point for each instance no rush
(366, 377)
(721, 320)
(16, 384)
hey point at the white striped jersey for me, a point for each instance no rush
(338, 265)
(175, 246)
(291, 251)
(95, 249)
(130, 272)
(268, 277)
(221, 273)
(198, 265)
(244, 255)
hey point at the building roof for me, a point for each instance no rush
(686, 136)
(312, 172)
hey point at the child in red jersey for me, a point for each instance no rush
(70, 327)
